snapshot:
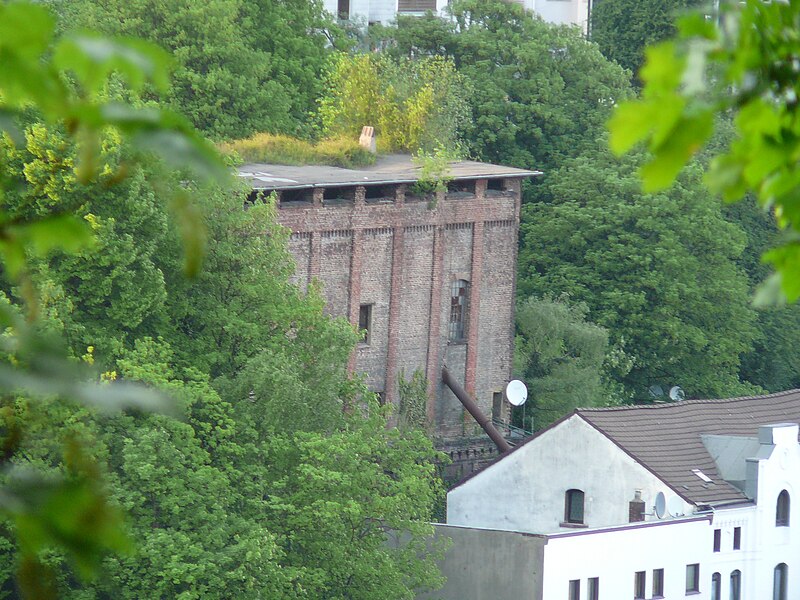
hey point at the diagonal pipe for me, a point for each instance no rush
(472, 406)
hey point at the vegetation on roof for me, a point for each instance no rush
(338, 151)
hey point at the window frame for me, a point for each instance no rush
(658, 583)
(783, 507)
(716, 586)
(459, 311)
(737, 538)
(717, 540)
(780, 581)
(693, 578)
(736, 585)
(593, 588)
(365, 332)
(639, 585)
(574, 589)
(574, 499)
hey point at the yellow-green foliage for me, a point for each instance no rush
(338, 151)
(415, 105)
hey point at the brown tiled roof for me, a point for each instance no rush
(665, 438)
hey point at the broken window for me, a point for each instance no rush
(365, 322)
(459, 304)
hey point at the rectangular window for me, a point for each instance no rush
(365, 322)
(639, 581)
(459, 306)
(415, 5)
(593, 590)
(737, 538)
(573, 507)
(658, 583)
(717, 539)
(497, 405)
(575, 589)
(693, 578)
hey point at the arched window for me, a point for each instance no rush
(459, 305)
(573, 507)
(782, 510)
(780, 581)
(736, 585)
(716, 581)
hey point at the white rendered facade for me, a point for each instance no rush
(522, 496)
(561, 12)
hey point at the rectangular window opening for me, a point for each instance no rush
(593, 589)
(365, 322)
(737, 538)
(658, 583)
(717, 540)
(575, 589)
(415, 5)
(338, 195)
(497, 405)
(639, 581)
(459, 304)
(296, 198)
(461, 188)
(379, 194)
(693, 578)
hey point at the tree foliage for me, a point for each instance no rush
(659, 272)
(743, 65)
(561, 356)
(623, 28)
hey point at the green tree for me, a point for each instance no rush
(241, 67)
(659, 272)
(541, 93)
(623, 28)
(560, 356)
(742, 65)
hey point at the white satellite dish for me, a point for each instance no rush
(675, 506)
(676, 393)
(516, 392)
(661, 505)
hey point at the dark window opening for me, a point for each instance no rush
(575, 589)
(593, 589)
(379, 194)
(639, 581)
(717, 539)
(344, 9)
(338, 195)
(381, 397)
(496, 185)
(736, 585)
(782, 510)
(716, 582)
(573, 507)
(737, 538)
(780, 580)
(461, 188)
(459, 304)
(658, 583)
(301, 197)
(693, 578)
(365, 322)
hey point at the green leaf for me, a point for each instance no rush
(193, 232)
(631, 123)
(93, 57)
(8, 125)
(64, 232)
(25, 29)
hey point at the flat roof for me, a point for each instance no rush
(394, 168)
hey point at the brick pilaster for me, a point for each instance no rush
(314, 256)
(395, 294)
(433, 367)
(474, 307)
(354, 297)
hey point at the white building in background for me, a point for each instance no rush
(696, 499)
(566, 12)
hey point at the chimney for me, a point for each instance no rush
(367, 139)
(636, 508)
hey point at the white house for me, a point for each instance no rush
(567, 12)
(692, 499)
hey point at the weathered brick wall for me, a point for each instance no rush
(402, 257)
(376, 268)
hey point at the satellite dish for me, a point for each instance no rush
(675, 506)
(656, 391)
(661, 505)
(676, 393)
(516, 392)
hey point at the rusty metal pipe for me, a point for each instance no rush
(472, 406)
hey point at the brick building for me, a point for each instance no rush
(430, 281)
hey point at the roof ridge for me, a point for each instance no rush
(663, 405)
